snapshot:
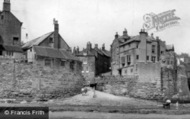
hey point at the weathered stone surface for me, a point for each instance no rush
(133, 87)
(27, 81)
(157, 89)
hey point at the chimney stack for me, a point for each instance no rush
(96, 46)
(143, 32)
(74, 50)
(6, 6)
(116, 35)
(89, 46)
(157, 38)
(103, 47)
(125, 32)
(56, 34)
(77, 49)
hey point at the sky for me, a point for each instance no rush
(97, 21)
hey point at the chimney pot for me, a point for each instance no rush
(143, 32)
(116, 35)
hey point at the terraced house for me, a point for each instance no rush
(140, 55)
(51, 50)
(96, 61)
(10, 33)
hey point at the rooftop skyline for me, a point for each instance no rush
(97, 21)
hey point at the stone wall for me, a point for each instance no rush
(131, 86)
(161, 87)
(149, 72)
(19, 80)
(182, 89)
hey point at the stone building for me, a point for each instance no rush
(96, 61)
(10, 33)
(51, 50)
(131, 55)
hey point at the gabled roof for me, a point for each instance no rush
(36, 41)
(53, 53)
(16, 18)
(13, 16)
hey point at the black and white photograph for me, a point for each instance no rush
(94, 59)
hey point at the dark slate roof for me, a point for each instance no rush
(12, 48)
(137, 39)
(94, 52)
(68, 55)
(36, 41)
(48, 52)
(53, 53)
(107, 53)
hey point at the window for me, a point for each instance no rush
(123, 61)
(63, 63)
(153, 59)
(9, 53)
(50, 40)
(15, 40)
(153, 48)
(161, 52)
(30, 49)
(128, 59)
(137, 45)
(72, 65)
(137, 57)
(147, 57)
(47, 62)
(1, 53)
